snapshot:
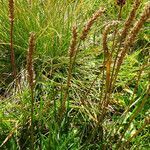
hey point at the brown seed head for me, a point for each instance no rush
(90, 23)
(105, 33)
(138, 25)
(30, 59)
(132, 35)
(73, 42)
(130, 19)
(11, 10)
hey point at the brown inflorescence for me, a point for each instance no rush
(132, 35)
(73, 44)
(12, 53)
(11, 10)
(138, 25)
(105, 33)
(30, 59)
(130, 19)
(90, 23)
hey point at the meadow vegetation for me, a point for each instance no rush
(74, 74)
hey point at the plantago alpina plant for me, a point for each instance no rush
(104, 102)
(131, 37)
(124, 33)
(107, 54)
(74, 47)
(107, 59)
(31, 81)
(11, 18)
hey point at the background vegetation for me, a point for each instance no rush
(65, 94)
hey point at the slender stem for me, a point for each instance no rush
(32, 118)
(69, 76)
(120, 12)
(113, 48)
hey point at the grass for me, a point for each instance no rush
(97, 97)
